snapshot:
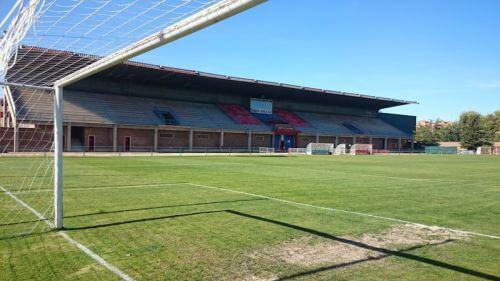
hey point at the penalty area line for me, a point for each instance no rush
(70, 240)
(346, 211)
(102, 188)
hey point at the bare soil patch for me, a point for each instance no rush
(310, 250)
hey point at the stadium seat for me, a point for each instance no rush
(239, 114)
(291, 118)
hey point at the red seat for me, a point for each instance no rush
(292, 118)
(239, 114)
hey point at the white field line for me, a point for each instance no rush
(433, 227)
(101, 188)
(72, 241)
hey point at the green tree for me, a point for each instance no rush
(450, 132)
(492, 126)
(426, 136)
(472, 130)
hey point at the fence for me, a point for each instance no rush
(441, 150)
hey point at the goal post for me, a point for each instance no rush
(320, 149)
(105, 41)
(58, 158)
(361, 149)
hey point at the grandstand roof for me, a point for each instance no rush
(30, 60)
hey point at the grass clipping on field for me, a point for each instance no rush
(310, 250)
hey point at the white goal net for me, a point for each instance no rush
(361, 149)
(320, 149)
(341, 149)
(49, 44)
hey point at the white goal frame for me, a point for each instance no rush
(200, 20)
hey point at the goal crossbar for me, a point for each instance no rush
(200, 20)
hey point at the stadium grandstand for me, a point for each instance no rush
(142, 107)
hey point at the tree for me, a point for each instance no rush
(492, 126)
(450, 132)
(472, 130)
(425, 135)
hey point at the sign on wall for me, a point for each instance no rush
(261, 106)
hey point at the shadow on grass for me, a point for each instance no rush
(385, 252)
(347, 264)
(136, 209)
(165, 207)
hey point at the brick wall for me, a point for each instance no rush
(346, 140)
(35, 139)
(206, 139)
(139, 137)
(392, 143)
(363, 140)
(103, 136)
(173, 138)
(303, 141)
(378, 143)
(235, 140)
(259, 140)
(326, 139)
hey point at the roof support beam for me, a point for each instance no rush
(200, 20)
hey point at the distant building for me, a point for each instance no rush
(141, 107)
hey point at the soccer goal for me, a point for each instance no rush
(341, 149)
(51, 44)
(361, 149)
(320, 149)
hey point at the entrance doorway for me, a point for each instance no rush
(91, 143)
(127, 143)
(77, 138)
(284, 142)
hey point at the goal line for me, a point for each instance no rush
(70, 240)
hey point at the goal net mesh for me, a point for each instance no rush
(361, 149)
(320, 148)
(341, 149)
(44, 41)
(26, 149)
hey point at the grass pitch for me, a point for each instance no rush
(262, 218)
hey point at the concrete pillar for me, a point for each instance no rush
(336, 141)
(412, 144)
(317, 138)
(249, 142)
(16, 137)
(191, 133)
(155, 141)
(221, 138)
(68, 136)
(400, 143)
(386, 143)
(354, 140)
(273, 140)
(115, 138)
(371, 140)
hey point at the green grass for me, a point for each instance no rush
(179, 231)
